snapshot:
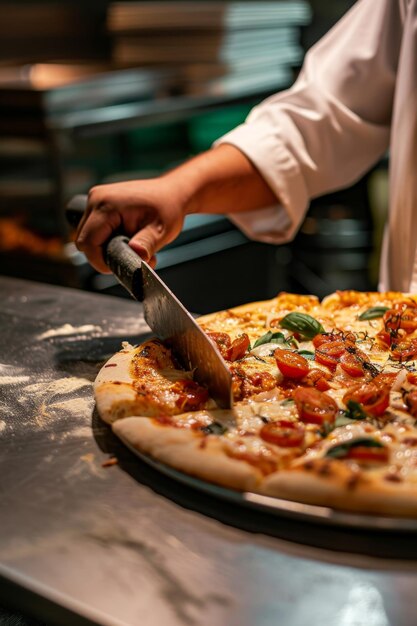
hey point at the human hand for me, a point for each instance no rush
(149, 211)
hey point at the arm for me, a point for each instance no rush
(152, 211)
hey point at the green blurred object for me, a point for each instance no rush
(205, 129)
(156, 135)
(156, 147)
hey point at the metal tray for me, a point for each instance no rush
(284, 508)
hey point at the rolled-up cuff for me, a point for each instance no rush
(276, 164)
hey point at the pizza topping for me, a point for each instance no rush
(317, 378)
(290, 364)
(384, 338)
(315, 407)
(373, 313)
(307, 354)
(360, 449)
(318, 340)
(410, 441)
(215, 428)
(404, 351)
(353, 365)
(152, 354)
(329, 353)
(303, 324)
(222, 340)
(386, 379)
(191, 395)
(230, 350)
(254, 452)
(355, 411)
(238, 348)
(373, 399)
(284, 433)
(246, 383)
(262, 381)
(410, 399)
(403, 316)
(275, 338)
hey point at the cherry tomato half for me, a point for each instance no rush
(317, 378)
(368, 454)
(322, 338)
(385, 379)
(402, 315)
(222, 340)
(238, 348)
(284, 433)
(384, 338)
(352, 364)
(290, 364)
(329, 353)
(373, 398)
(405, 351)
(314, 407)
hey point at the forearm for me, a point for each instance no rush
(222, 180)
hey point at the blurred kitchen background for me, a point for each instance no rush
(94, 91)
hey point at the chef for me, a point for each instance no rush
(355, 98)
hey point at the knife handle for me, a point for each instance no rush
(119, 256)
(75, 209)
(125, 265)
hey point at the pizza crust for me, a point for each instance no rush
(185, 451)
(334, 491)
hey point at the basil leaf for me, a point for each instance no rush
(326, 428)
(342, 420)
(340, 450)
(355, 411)
(307, 354)
(373, 313)
(303, 324)
(271, 337)
(287, 401)
(215, 428)
(264, 339)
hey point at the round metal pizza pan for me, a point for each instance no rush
(285, 508)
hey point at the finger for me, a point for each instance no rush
(91, 202)
(147, 241)
(97, 229)
(83, 220)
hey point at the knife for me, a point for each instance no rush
(164, 313)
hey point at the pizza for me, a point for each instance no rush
(325, 402)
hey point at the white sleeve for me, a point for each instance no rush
(331, 126)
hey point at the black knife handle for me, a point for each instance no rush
(125, 265)
(75, 209)
(118, 255)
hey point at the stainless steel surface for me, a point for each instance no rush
(171, 321)
(123, 545)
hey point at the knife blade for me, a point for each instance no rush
(164, 313)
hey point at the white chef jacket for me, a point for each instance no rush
(355, 98)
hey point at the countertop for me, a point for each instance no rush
(123, 545)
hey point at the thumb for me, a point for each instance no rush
(147, 241)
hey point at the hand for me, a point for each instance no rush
(148, 211)
(152, 212)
